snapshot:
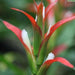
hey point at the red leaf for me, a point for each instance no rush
(17, 32)
(59, 49)
(54, 27)
(31, 19)
(60, 23)
(48, 9)
(40, 7)
(58, 59)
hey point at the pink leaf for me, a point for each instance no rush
(59, 49)
(17, 32)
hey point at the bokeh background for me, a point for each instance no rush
(13, 60)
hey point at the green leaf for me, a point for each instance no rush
(32, 63)
(42, 54)
(37, 41)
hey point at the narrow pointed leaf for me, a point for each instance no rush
(54, 27)
(37, 31)
(58, 59)
(30, 56)
(17, 31)
(31, 19)
(48, 63)
(60, 23)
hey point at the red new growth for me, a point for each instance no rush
(31, 19)
(58, 59)
(53, 28)
(17, 31)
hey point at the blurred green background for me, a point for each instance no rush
(13, 60)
